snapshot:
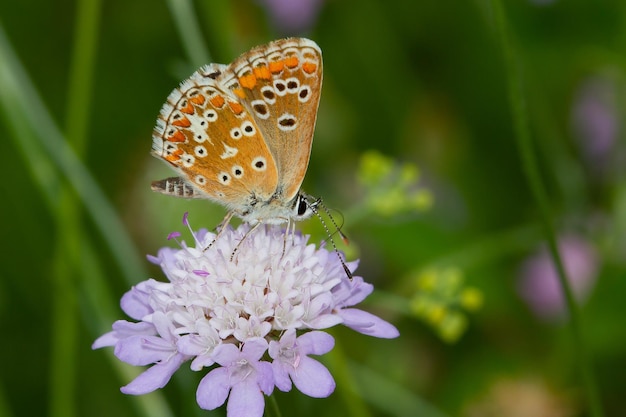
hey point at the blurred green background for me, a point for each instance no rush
(448, 232)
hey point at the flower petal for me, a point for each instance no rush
(246, 400)
(265, 377)
(213, 389)
(367, 323)
(325, 321)
(143, 350)
(135, 302)
(225, 354)
(282, 380)
(315, 343)
(352, 292)
(155, 377)
(107, 339)
(123, 329)
(312, 378)
(254, 348)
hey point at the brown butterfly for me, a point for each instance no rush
(241, 134)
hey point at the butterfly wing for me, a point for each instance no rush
(279, 84)
(210, 138)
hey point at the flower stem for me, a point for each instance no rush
(189, 32)
(67, 251)
(275, 409)
(531, 170)
(346, 386)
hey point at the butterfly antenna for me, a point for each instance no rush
(314, 206)
(344, 238)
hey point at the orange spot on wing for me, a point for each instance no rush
(174, 156)
(276, 66)
(184, 122)
(198, 99)
(247, 81)
(235, 107)
(239, 93)
(291, 62)
(217, 101)
(177, 136)
(189, 109)
(309, 67)
(262, 72)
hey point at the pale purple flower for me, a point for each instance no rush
(242, 374)
(595, 120)
(250, 319)
(539, 284)
(291, 363)
(292, 16)
(352, 292)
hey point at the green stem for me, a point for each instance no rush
(189, 32)
(43, 142)
(346, 387)
(48, 157)
(218, 20)
(531, 170)
(67, 252)
(5, 409)
(275, 409)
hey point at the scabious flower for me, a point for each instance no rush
(291, 16)
(254, 319)
(596, 121)
(539, 284)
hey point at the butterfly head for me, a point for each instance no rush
(277, 211)
(304, 206)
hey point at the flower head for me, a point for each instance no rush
(596, 121)
(250, 308)
(293, 17)
(538, 282)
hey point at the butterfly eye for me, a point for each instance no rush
(302, 207)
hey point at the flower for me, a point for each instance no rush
(539, 284)
(291, 363)
(242, 374)
(291, 16)
(596, 121)
(249, 306)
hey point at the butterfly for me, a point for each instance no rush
(241, 134)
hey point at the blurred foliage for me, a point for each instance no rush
(441, 300)
(420, 81)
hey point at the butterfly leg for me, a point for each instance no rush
(221, 227)
(253, 228)
(285, 237)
